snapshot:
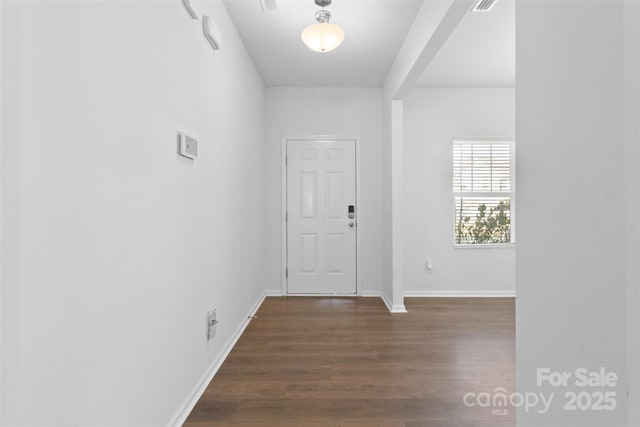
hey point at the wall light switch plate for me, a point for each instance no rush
(188, 146)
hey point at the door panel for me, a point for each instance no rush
(308, 194)
(309, 254)
(335, 253)
(335, 195)
(321, 244)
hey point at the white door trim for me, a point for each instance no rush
(283, 208)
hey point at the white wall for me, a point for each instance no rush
(10, 209)
(631, 14)
(433, 118)
(571, 253)
(120, 246)
(297, 111)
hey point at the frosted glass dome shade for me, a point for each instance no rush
(323, 37)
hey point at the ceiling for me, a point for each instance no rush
(374, 31)
(480, 52)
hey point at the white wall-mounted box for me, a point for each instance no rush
(188, 145)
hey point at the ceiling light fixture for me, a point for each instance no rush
(323, 36)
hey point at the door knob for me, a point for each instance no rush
(351, 224)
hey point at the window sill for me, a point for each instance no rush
(485, 246)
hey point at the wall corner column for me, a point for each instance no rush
(397, 205)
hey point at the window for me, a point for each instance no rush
(483, 187)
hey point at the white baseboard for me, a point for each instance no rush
(190, 402)
(385, 300)
(326, 295)
(460, 294)
(397, 308)
(273, 293)
(371, 294)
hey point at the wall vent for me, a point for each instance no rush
(483, 5)
(269, 5)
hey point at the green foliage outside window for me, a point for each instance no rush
(489, 226)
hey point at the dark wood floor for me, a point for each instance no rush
(328, 362)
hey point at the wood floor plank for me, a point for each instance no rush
(338, 362)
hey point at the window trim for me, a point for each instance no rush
(512, 193)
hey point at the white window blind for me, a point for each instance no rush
(481, 167)
(483, 186)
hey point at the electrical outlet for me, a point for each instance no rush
(212, 322)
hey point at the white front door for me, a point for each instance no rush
(321, 217)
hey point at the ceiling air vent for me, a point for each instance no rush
(269, 5)
(483, 5)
